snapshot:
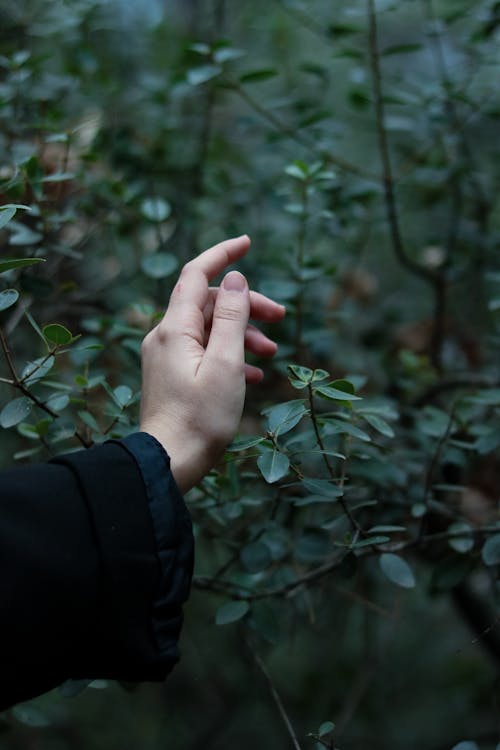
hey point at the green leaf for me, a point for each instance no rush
(241, 444)
(57, 334)
(298, 170)
(323, 487)
(159, 265)
(273, 465)
(491, 550)
(371, 541)
(89, 419)
(123, 395)
(37, 369)
(23, 235)
(231, 612)
(226, 54)
(255, 557)
(379, 424)
(58, 401)
(6, 214)
(385, 529)
(279, 289)
(397, 570)
(334, 393)
(339, 426)
(15, 411)
(155, 209)
(255, 76)
(59, 177)
(299, 376)
(7, 265)
(204, 73)
(490, 397)
(8, 298)
(326, 728)
(463, 543)
(284, 417)
(313, 546)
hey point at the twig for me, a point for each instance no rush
(468, 381)
(354, 523)
(294, 134)
(388, 182)
(18, 383)
(237, 591)
(276, 697)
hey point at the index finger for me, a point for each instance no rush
(214, 260)
(191, 292)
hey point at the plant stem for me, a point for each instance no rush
(354, 523)
(276, 697)
(390, 199)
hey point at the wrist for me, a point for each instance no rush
(186, 461)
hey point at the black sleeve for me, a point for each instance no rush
(81, 576)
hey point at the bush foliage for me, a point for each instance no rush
(348, 547)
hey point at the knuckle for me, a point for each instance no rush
(227, 312)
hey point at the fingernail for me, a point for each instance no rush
(234, 281)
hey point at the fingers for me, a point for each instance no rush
(214, 260)
(258, 343)
(190, 295)
(253, 375)
(261, 307)
(226, 343)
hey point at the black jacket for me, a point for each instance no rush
(95, 563)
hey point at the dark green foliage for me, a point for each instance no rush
(348, 544)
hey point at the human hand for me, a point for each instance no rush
(193, 363)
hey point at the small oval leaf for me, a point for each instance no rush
(231, 612)
(8, 298)
(255, 557)
(123, 395)
(155, 209)
(491, 550)
(397, 570)
(273, 465)
(463, 543)
(15, 411)
(57, 334)
(159, 265)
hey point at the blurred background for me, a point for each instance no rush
(357, 144)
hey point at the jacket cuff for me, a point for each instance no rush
(173, 533)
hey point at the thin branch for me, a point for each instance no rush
(432, 467)
(276, 697)
(467, 381)
(295, 135)
(18, 383)
(354, 523)
(390, 199)
(240, 592)
(237, 591)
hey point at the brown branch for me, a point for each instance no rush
(236, 590)
(388, 181)
(18, 382)
(276, 697)
(294, 134)
(354, 523)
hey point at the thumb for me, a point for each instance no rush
(229, 323)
